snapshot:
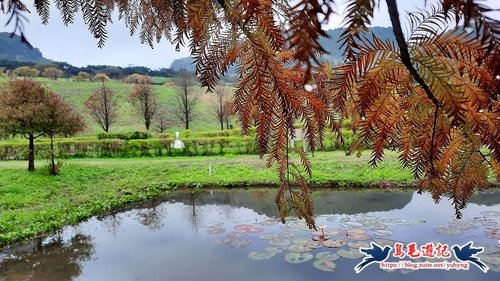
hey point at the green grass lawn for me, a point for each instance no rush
(36, 203)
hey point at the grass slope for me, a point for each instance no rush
(76, 93)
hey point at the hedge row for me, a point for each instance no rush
(91, 147)
(66, 148)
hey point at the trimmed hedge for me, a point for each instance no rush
(125, 136)
(66, 148)
(230, 143)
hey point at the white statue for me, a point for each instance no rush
(178, 144)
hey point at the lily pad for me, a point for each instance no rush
(243, 227)
(490, 213)
(383, 232)
(239, 243)
(375, 226)
(275, 250)
(463, 225)
(215, 230)
(493, 259)
(261, 255)
(279, 242)
(335, 231)
(359, 236)
(314, 244)
(489, 222)
(332, 218)
(448, 231)
(254, 229)
(214, 224)
(328, 255)
(298, 257)
(289, 234)
(270, 236)
(333, 243)
(344, 219)
(301, 241)
(492, 234)
(223, 240)
(350, 254)
(352, 224)
(270, 222)
(358, 244)
(384, 242)
(297, 248)
(356, 230)
(324, 265)
(237, 234)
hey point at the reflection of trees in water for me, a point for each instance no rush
(227, 209)
(111, 222)
(151, 217)
(487, 197)
(325, 201)
(56, 260)
(194, 217)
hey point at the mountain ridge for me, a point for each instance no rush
(335, 53)
(12, 48)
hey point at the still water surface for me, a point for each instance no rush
(234, 235)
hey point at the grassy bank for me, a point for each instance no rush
(36, 203)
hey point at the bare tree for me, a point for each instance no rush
(102, 107)
(143, 100)
(220, 107)
(163, 119)
(186, 99)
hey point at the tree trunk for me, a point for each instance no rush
(221, 124)
(31, 153)
(53, 170)
(147, 124)
(187, 120)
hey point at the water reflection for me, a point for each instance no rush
(52, 259)
(189, 236)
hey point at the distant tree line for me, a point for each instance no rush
(114, 72)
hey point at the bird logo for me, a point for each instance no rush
(468, 254)
(374, 254)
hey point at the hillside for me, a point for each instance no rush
(11, 48)
(76, 93)
(331, 45)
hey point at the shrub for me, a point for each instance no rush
(125, 136)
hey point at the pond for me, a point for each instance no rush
(234, 235)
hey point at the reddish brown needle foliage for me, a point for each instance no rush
(434, 96)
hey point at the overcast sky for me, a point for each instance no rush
(74, 43)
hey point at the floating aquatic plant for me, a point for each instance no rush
(324, 265)
(261, 255)
(237, 234)
(297, 248)
(215, 230)
(239, 243)
(270, 236)
(383, 232)
(279, 242)
(294, 257)
(333, 243)
(448, 230)
(350, 254)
